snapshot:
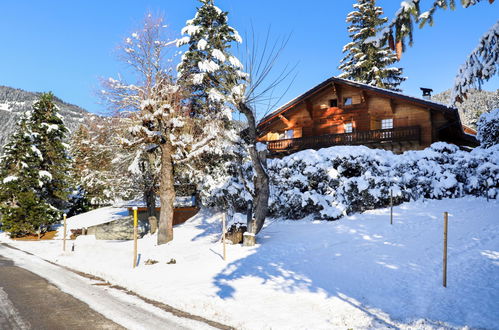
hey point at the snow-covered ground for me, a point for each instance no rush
(358, 272)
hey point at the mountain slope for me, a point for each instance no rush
(476, 103)
(14, 102)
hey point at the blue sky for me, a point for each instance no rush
(67, 46)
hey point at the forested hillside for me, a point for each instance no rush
(15, 101)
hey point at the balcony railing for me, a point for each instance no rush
(399, 134)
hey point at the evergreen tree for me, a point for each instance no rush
(33, 172)
(207, 69)
(49, 131)
(365, 62)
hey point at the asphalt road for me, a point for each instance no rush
(28, 301)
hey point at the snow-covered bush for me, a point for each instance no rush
(488, 129)
(331, 182)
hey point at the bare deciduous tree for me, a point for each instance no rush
(259, 91)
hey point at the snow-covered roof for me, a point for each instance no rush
(180, 201)
(390, 93)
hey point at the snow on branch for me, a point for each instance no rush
(482, 64)
(401, 27)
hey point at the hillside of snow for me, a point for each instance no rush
(357, 272)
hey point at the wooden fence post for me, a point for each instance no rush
(135, 233)
(446, 217)
(391, 207)
(223, 234)
(65, 232)
(487, 191)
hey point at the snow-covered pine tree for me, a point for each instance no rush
(366, 62)
(207, 69)
(33, 173)
(49, 134)
(211, 75)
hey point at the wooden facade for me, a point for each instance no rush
(343, 112)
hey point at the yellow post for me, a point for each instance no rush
(446, 218)
(135, 233)
(65, 232)
(223, 235)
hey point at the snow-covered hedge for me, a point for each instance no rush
(488, 129)
(331, 182)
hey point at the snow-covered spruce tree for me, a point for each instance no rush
(207, 68)
(50, 132)
(488, 129)
(480, 66)
(34, 171)
(211, 75)
(366, 62)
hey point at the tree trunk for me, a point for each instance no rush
(149, 185)
(166, 195)
(261, 181)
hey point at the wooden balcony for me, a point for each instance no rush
(370, 138)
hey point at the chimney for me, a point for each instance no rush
(426, 93)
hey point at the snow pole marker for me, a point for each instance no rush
(135, 223)
(446, 220)
(391, 207)
(223, 235)
(65, 232)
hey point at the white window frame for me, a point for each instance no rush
(349, 127)
(345, 101)
(289, 134)
(387, 123)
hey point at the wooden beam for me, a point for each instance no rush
(365, 96)
(310, 109)
(337, 89)
(392, 105)
(285, 121)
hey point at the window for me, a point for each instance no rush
(289, 134)
(348, 127)
(387, 123)
(333, 103)
(347, 101)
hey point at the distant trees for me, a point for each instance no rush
(34, 181)
(101, 164)
(366, 62)
(476, 103)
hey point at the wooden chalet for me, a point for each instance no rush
(344, 112)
